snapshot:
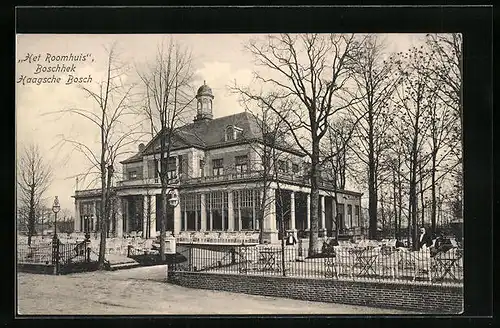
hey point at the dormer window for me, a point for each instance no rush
(233, 133)
(237, 133)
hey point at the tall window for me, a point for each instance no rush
(237, 133)
(202, 164)
(190, 211)
(244, 209)
(282, 166)
(233, 133)
(349, 215)
(340, 213)
(241, 164)
(133, 174)
(356, 213)
(171, 168)
(229, 133)
(152, 169)
(218, 167)
(295, 168)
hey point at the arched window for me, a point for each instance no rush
(229, 135)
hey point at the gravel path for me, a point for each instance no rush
(144, 291)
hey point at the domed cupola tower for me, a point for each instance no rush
(204, 99)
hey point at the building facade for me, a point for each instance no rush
(224, 183)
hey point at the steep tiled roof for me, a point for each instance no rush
(210, 133)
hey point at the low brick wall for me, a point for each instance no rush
(415, 297)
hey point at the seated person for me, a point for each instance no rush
(399, 243)
(334, 242)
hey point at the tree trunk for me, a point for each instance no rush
(372, 178)
(413, 202)
(396, 228)
(313, 232)
(400, 196)
(102, 214)
(422, 200)
(163, 223)
(433, 194)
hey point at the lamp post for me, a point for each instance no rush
(55, 208)
(55, 241)
(173, 200)
(86, 222)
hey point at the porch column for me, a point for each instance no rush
(308, 211)
(292, 212)
(334, 215)
(211, 216)
(119, 217)
(185, 219)
(323, 214)
(77, 225)
(94, 216)
(126, 215)
(255, 222)
(269, 229)
(230, 212)
(177, 166)
(152, 224)
(203, 213)
(177, 219)
(145, 216)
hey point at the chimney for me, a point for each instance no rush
(141, 147)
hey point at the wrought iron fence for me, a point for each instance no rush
(57, 254)
(356, 263)
(35, 254)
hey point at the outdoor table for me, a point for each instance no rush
(331, 270)
(365, 259)
(444, 264)
(269, 258)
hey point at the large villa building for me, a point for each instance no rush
(217, 173)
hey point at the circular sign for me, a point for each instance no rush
(173, 198)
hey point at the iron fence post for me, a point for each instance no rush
(55, 254)
(190, 263)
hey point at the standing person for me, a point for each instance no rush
(424, 239)
(290, 239)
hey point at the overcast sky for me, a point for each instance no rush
(219, 59)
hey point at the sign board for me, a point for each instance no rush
(173, 198)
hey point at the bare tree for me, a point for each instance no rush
(269, 148)
(167, 89)
(113, 100)
(446, 132)
(376, 78)
(336, 149)
(414, 98)
(311, 72)
(34, 178)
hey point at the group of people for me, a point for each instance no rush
(436, 245)
(425, 240)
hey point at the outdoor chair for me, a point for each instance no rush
(421, 263)
(388, 261)
(343, 260)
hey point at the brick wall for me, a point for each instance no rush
(413, 297)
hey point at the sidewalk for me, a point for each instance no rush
(144, 291)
